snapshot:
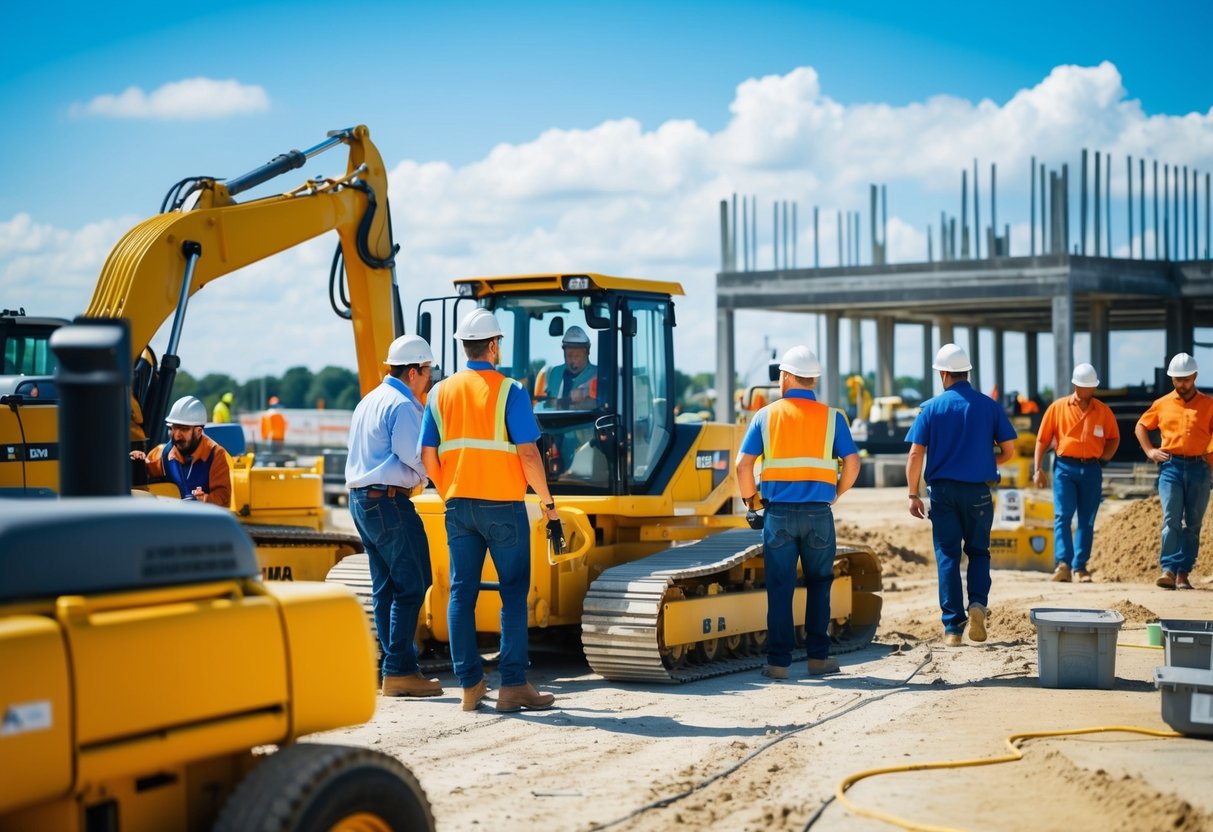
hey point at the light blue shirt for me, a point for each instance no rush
(383, 438)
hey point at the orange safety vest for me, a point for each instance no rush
(798, 442)
(478, 460)
(273, 426)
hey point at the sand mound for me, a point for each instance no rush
(901, 551)
(1127, 544)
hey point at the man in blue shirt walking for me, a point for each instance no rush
(960, 427)
(382, 470)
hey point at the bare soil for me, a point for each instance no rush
(745, 752)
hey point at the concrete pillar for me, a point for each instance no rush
(1031, 342)
(884, 356)
(975, 356)
(1181, 326)
(828, 387)
(1000, 370)
(1063, 340)
(725, 369)
(856, 347)
(1100, 341)
(947, 335)
(928, 358)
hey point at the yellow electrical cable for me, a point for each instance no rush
(1143, 646)
(1015, 754)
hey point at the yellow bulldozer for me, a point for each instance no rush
(144, 661)
(663, 579)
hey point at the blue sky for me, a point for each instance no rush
(459, 94)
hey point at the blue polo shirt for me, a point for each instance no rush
(520, 421)
(959, 428)
(798, 492)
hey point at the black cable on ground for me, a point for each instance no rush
(848, 708)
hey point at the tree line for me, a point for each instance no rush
(334, 388)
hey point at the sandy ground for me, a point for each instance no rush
(745, 752)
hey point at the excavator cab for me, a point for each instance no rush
(596, 355)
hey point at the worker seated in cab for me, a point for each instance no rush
(572, 385)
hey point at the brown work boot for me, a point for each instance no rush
(412, 685)
(1082, 576)
(977, 622)
(473, 695)
(1062, 574)
(952, 640)
(1182, 582)
(820, 667)
(1166, 580)
(516, 697)
(774, 671)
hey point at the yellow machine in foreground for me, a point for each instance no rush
(662, 576)
(142, 661)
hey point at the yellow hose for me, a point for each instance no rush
(1143, 646)
(1015, 754)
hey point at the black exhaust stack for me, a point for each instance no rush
(93, 378)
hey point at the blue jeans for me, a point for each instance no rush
(1183, 487)
(472, 526)
(1077, 488)
(961, 516)
(798, 533)
(399, 554)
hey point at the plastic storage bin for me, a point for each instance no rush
(1188, 643)
(1076, 648)
(1187, 699)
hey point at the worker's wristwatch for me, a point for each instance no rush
(550, 506)
(913, 495)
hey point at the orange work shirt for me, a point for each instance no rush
(1186, 427)
(1081, 434)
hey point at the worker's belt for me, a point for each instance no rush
(377, 491)
(1083, 460)
(1201, 457)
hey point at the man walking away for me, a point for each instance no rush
(1184, 419)
(955, 434)
(382, 470)
(1087, 437)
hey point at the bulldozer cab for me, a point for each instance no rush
(606, 407)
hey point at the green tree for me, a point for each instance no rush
(335, 386)
(293, 389)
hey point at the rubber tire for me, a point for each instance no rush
(309, 787)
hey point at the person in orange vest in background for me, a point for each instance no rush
(799, 439)
(273, 426)
(478, 444)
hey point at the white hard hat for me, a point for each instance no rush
(478, 325)
(1084, 376)
(800, 361)
(186, 411)
(1181, 365)
(575, 336)
(409, 349)
(952, 359)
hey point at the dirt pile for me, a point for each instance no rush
(902, 551)
(1127, 544)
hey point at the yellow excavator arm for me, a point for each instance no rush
(155, 268)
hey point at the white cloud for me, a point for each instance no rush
(619, 199)
(189, 99)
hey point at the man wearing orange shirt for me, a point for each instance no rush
(1086, 437)
(1184, 419)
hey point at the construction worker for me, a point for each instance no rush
(222, 412)
(573, 384)
(478, 443)
(273, 426)
(959, 427)
(382, 470)
(1087, 437)
(1184, 419)
(799, 440)
(200, 468)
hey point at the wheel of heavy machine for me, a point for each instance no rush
(708, 650)
(325, 788)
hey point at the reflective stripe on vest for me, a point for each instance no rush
(478, 460)
(805, 439)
